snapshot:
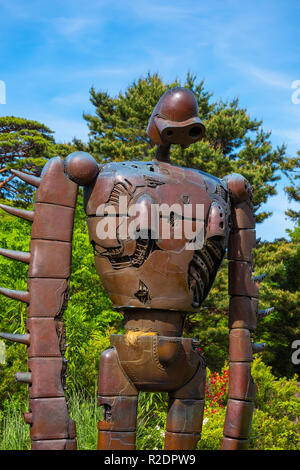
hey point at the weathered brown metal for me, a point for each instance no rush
(23, 214)
(240, 245)
(44, 228)
(22, 296)
(22, 256)
(50, 419)
(185, 416)
(49, 270)
(119, 413)
(238, 419)
(243, 289)
(55, 444)
(234, 444)
(46, 377)
(241, 384)
(240, 347)
(154, 280)
(30, 179)
(195, 388)
(58, 264)
(82, 168)
(241, 281)
(48, 297)
(114, 440)
(175, 119)
(116, 383)
(243, 312)
(179, 441)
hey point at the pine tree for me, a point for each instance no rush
(293, 193)
(24, 145)
(234, 143)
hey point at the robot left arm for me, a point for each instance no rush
(243, 315)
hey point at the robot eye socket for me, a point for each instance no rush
(169, 132)
(195, 132)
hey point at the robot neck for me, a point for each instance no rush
(163, 153)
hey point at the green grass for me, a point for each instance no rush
(268, 431)
(14, 432)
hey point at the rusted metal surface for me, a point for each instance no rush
(181, 441)
(49, 270)
(119, 413)
(238, 419)
(50, 419)
(154, 280)
(240, 348)
(175, 119)
(243, 313)
(195, 388)
(113, 440)
(55, 444)
(234, 444)
(185, 416)
(46, 377)
(240, 245)
(147, 372)
(241, 384)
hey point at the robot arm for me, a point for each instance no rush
(49, 263)
(243, 313)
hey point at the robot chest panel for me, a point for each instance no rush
(159, 183)
(154, 270)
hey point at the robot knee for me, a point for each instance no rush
(112, 379)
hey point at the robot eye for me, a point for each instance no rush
(195, 132)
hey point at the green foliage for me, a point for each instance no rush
(276, 423)
(14, 433)
(151, 419)
(275, 396)
(86, 413)
(24, 145)
(14, 234)
(280, 260)
(293, 192)
(234, 143)
(277, 401)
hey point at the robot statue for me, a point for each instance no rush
(154, 280)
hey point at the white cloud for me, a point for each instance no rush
(269, 77)
(163, 11)
(73, 25)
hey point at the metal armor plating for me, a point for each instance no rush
(158, 273)
(153, 279)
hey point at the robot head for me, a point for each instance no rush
(175, 119)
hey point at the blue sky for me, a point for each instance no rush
(53, 52)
